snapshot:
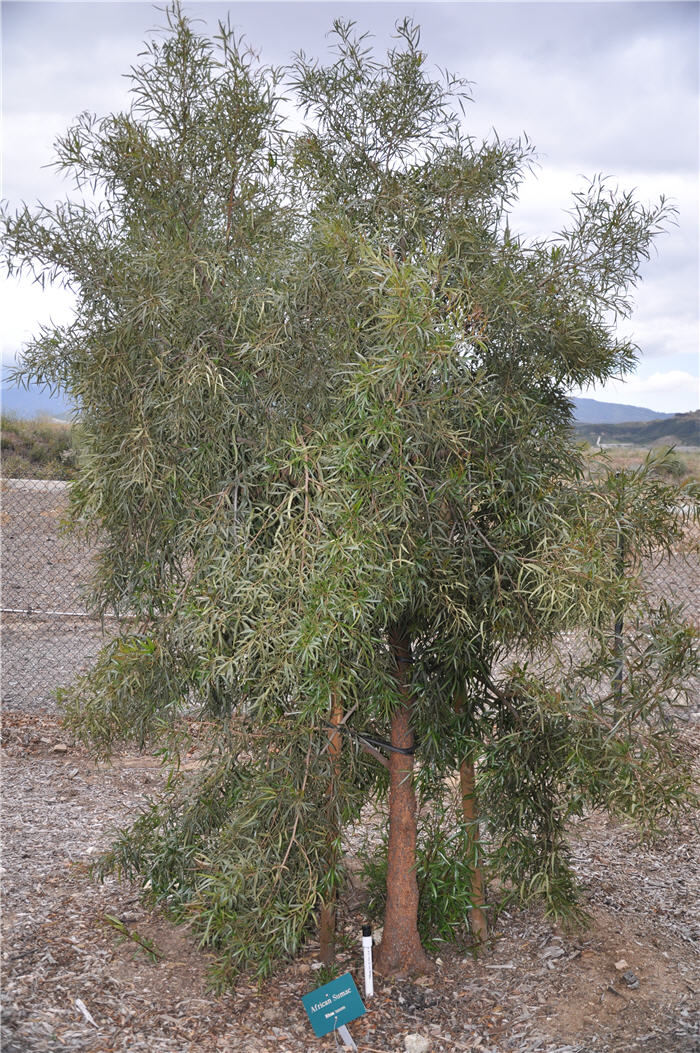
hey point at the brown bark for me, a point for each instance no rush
(400, 950)
(326, 922)
(470, 814)
(467, 782)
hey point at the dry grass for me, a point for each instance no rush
(684, 464)
(37, 448)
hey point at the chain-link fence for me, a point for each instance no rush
(48, 635)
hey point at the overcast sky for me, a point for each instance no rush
(606, 88)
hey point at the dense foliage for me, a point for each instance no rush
(323, 391)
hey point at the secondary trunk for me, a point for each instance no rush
(477, 918)
(618, 642)
(400, 950)
(326, 922)
(470, 814)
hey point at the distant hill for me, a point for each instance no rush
(590, 411)
(37, 401)
(682, 429)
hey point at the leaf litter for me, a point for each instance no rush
(88, 969)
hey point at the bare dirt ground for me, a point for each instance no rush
(71, 983)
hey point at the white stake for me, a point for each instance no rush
(346, 1037)
(367, 952)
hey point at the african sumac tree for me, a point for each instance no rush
(323, 387)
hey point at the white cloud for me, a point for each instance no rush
(664, 323)
(676, 391)
(24, 307)
(607, 87)
(662, 335)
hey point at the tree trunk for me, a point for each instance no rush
(400, 950)
(477, 918)
(326, 922)
(618, 642)
(470, 814)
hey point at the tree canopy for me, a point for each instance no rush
(328, 445)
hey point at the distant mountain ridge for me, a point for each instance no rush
(37, 401)
(590, 411)
(682, 429)
(34, 402)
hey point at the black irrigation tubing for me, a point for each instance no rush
(369, 740)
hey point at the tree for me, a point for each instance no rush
(323, 389)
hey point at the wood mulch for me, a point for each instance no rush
(72, 983)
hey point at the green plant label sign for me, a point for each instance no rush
(333, 1004)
